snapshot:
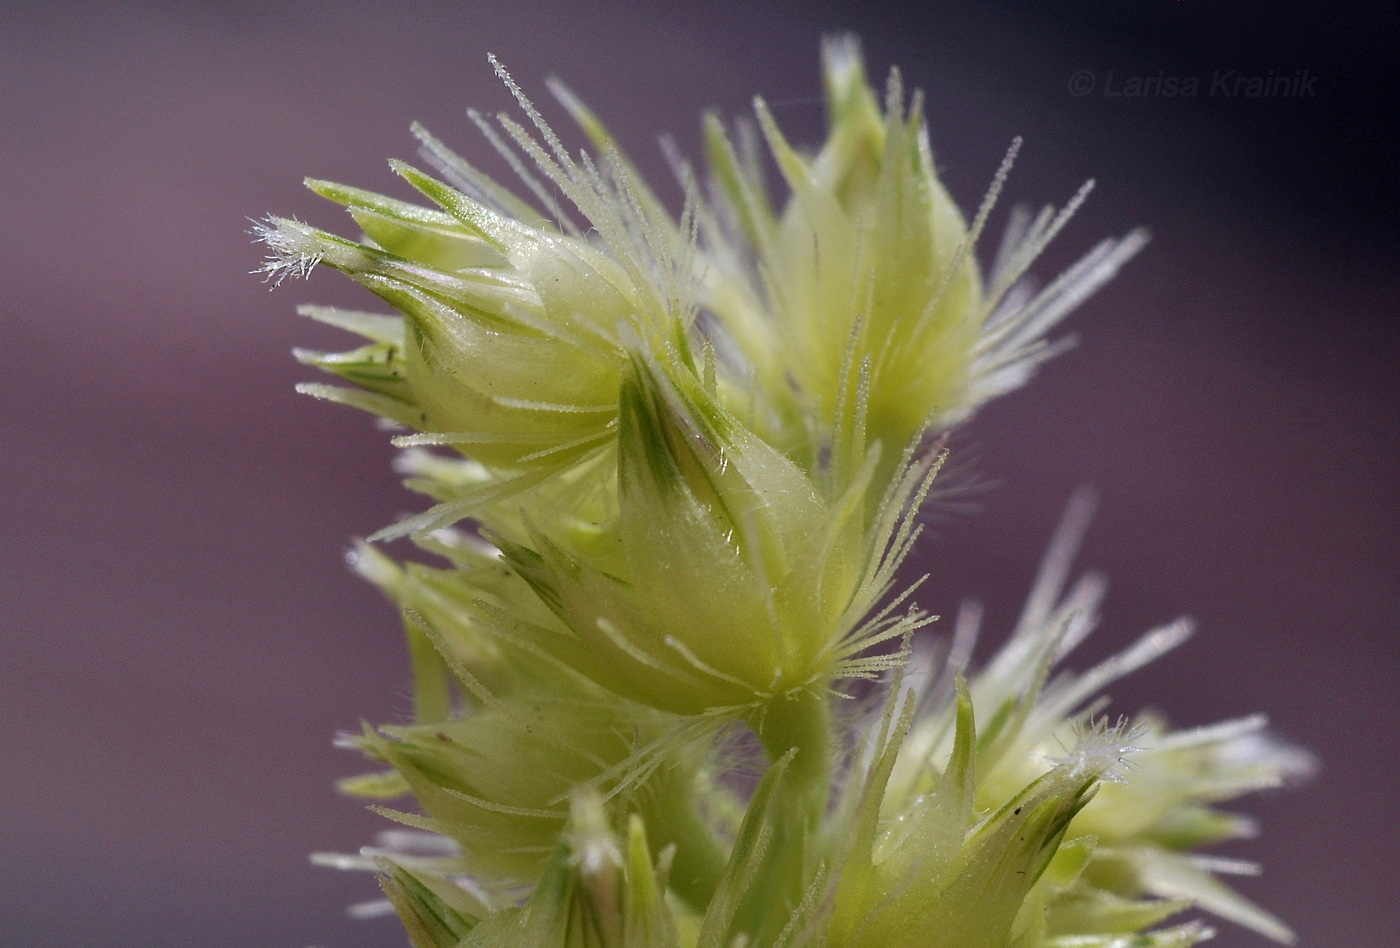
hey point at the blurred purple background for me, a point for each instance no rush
(181, 638)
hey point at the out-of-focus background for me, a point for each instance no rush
(181, 638)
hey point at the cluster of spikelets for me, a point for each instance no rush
(676, 464)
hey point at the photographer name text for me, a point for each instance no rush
(1220, 84)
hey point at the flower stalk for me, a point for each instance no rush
(676, 463)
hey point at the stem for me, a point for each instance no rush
(699, 860)
(801, 721)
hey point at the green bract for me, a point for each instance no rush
(723, 580)
(677, 463)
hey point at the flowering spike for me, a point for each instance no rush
(676, 464)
